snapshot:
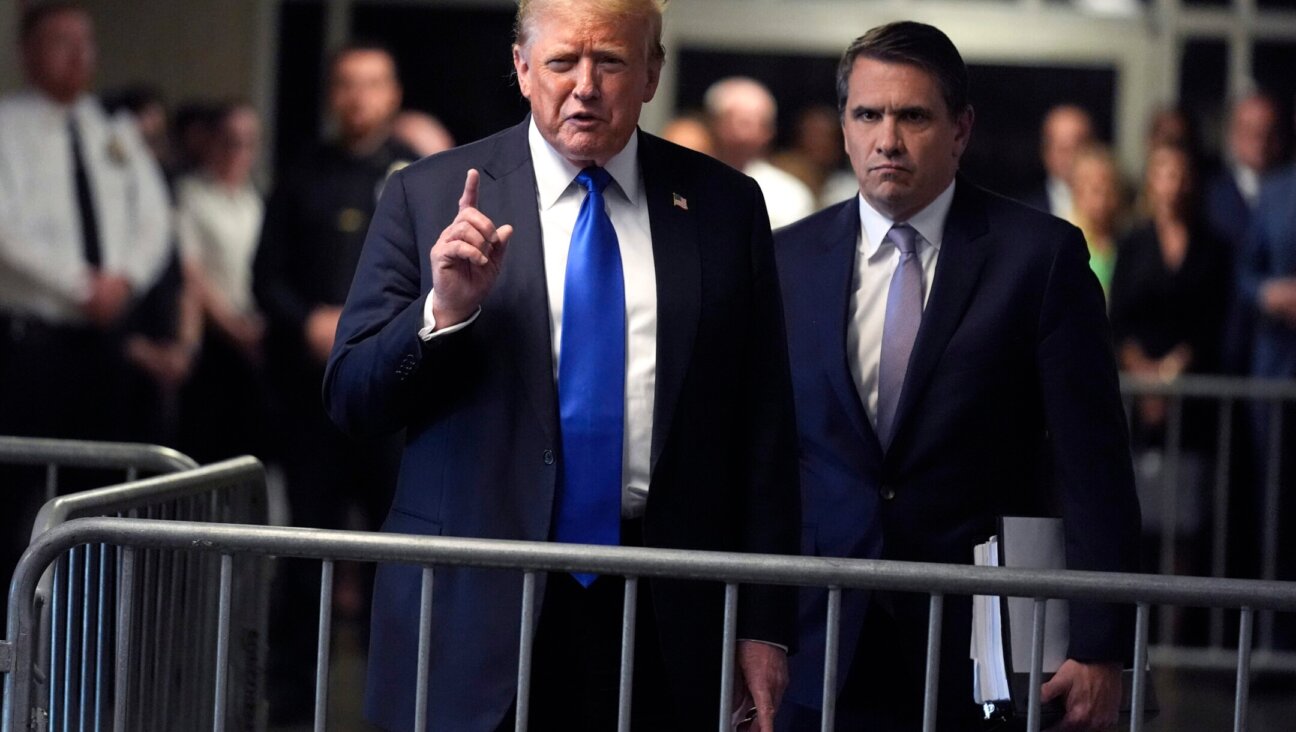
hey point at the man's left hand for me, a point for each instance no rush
(763, 671)
(1092, 692)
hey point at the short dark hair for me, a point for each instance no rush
(915, 44)
(34, 16)
(362, 45)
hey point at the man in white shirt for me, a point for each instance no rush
(743, 117)
(578, 326)
(83, 234)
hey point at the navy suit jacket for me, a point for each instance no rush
(483, 454)
(1271, 252)
(1011, 389)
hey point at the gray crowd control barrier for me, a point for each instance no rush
(133, 459)
(1188, 473)
(93, 604)
(134, 537)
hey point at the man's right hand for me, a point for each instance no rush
(109, 296)
(321, 327)
(466, 259)
(1278, 299)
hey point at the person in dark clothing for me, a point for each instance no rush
(1169, 296)
(315, 224)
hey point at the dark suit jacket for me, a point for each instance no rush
(483, 453)
(1011, 387)
(1271, 252)
(1229, 217)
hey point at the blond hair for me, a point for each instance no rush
(649, 11)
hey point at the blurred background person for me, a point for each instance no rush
(1066, 129)
(191, 131)
(743, 113)
(1097, 201)
(422, 133)
(1168, 294)
(218, 217)
(818, 154)
(315, 224)
(83, 235)
(690, 129)
(146, 105)
(1253, 149)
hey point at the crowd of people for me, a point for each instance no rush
(151, 291)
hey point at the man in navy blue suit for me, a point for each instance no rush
(478, 322)
(951, 363)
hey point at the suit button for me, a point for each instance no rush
(548, 457)
(888, 493)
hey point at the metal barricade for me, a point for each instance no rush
(131, 458)
(92, 604)
(530, 558)
(1235, 400)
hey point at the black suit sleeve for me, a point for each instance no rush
(773, 502)
(1090, 439)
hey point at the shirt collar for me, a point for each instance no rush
(554, 173)
(929, 222)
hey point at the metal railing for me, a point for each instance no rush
(92, 605)
(131, 458)
(934, 580)
(1234, 400)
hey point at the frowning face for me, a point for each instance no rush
(903, 142)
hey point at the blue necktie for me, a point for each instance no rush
(903, 316)
(591, 377)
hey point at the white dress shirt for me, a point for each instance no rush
(219, 228)
(1248, 184)
(1059, 199)
(875, 262)
(43, 272)
(559, 198)
(787, 199)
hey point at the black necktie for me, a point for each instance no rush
(85, 200)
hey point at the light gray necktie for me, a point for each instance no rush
(903, 315)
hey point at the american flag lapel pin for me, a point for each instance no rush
(679, 201)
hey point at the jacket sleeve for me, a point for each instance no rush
(372, 381)
(1086, 420)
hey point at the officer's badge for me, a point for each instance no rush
(116, 151)
(350, 220)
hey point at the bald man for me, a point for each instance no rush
(1066, 129)
(743, 117)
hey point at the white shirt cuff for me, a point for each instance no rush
(429, 332)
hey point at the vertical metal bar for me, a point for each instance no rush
(1037, 664)
(57, 639)
(223, 641)
(1242, 699)
(832, 642)
(1139, 690)
(322, 647)
(51, 481)
(87, 616)
(1170, 509)
(425, 652)
(525, 644)
(934, 618)
(727, 655)
(101, 640)
(1272, 504)
(125, 609)
(629, 617)
(70, 666)
(1219, 534)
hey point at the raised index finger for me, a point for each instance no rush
(469, 197)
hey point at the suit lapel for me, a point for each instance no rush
(679, 280)
(837, 267)
(958, 268)
(508, 196)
